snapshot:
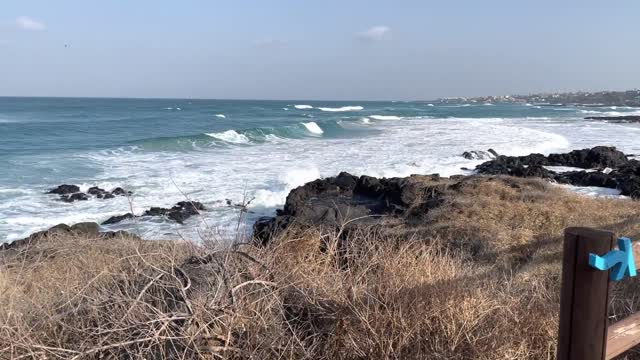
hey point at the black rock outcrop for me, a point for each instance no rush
(610, 167)
(178, 213)
(71, 193)
(347, 201)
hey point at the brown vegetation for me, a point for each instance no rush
(479, 281)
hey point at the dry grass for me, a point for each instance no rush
(479, 281)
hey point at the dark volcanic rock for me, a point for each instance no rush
(86, 228)
(624, 174)
(64, 189)
(96, 191)
(120, 192)
(531, 171)
(584, 178)
(156, 211)
(266, 227)
(71, 193)
(523, 166)
(74, 197)
(184, 210)
(628, 178)
(117, 219)
(346, 201)
(480, 155)
(179, 213)
(627, 118)
(597, 157)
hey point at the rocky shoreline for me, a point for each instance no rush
(600, 166)
(347, 202)
(625, 119)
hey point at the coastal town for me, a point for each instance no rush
(583, 98)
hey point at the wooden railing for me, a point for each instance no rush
(585, 333)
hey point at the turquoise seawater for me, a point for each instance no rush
(165, 150)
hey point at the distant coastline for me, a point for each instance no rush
(582, 98)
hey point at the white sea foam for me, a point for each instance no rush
(273, 138)
(285, 109)
(365, 120)
(288, 181)
(594, 191)
(609, 113)
(222, 116)
(267, 171)
(385, 117)
(178, 109)
(429, 104)
(303, 107)
(561, 169)
(231, 136)
(340, 109)
(313, 128)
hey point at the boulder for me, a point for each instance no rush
(618, 171)
(86, 228)
(178, 213)
(74, 197)
(598, 157)
(64, 189)
(624, 118)
(584, 178)
(96, 191)
(118, 218)
(184, 210)
(480, 155)
(71, 193)
(120, 192)
(346, 201)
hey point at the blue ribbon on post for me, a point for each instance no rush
(620, 261)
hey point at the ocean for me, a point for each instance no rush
(221, 151)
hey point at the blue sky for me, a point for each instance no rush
(355, 50)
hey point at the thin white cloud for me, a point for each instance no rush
(376, 33)
(27, 23)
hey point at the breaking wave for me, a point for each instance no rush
(385, 117)
(313, 128)
(341, 109)
(231, 136)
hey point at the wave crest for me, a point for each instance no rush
(313, 128)
(340, 109)
(230, 136)
(385, 117)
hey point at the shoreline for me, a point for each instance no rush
(598, 167)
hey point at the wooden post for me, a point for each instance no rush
(584, 296)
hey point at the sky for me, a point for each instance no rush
(306, 49)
